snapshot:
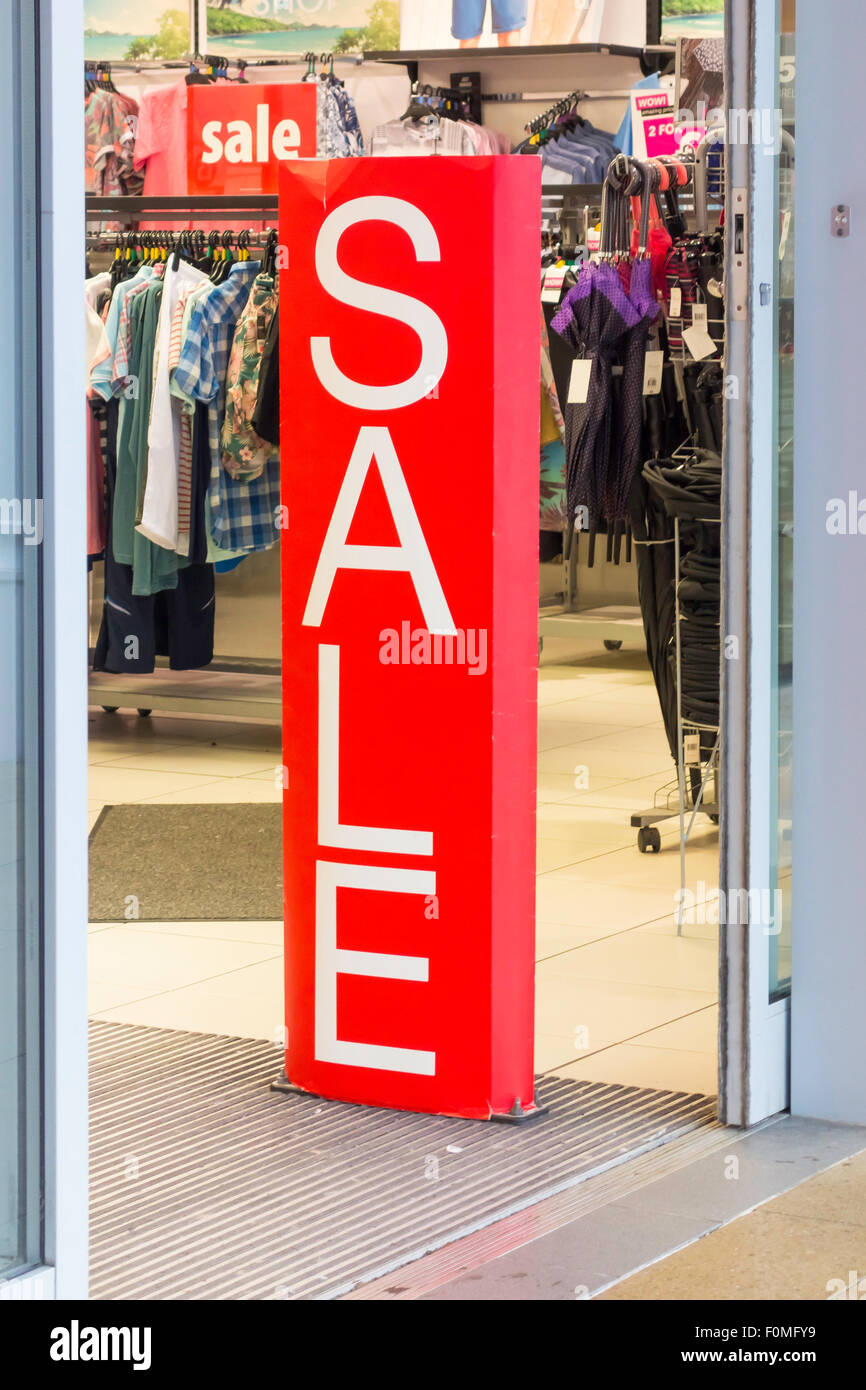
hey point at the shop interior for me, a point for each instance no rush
(186, 920)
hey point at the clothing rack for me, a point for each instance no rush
(233, 686)
(179, 209)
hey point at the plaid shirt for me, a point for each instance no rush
(242, 516)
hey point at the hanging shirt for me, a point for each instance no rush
(245, 454)
(158, 519)
(242, 516)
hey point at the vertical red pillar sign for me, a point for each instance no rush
(409, 371)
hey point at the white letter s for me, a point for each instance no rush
(378, 300)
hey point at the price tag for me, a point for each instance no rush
(692, 749)
(553, 278)
(699, 316)
(578, 385)
(652, 372)
(676, 308)
(699, 343)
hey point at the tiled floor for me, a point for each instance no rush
(620, 996)
(808, 1244)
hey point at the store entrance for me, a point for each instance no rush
(186, 942)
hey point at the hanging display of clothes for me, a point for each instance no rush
(571, 149)
(110, 120)
(188, 480)
(437, 121)
(617, 411)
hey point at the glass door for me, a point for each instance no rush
(757, 579)
(783, 531)
(21, 532)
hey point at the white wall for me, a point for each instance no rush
(829, 922)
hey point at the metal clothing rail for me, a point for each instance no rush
(178, 208)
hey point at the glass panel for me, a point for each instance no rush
(20, 535)
(780, 944)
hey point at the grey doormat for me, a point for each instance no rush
(187, 864)
(205, 1184)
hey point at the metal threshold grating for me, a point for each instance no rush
(205, 1184)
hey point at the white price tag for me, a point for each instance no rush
(652, 372)
(553, 279)
(692, 749)
(699, 316)
(699, 343)
(676, 308)
(578, 385)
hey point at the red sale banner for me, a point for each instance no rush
(409, 358)
(238, 135)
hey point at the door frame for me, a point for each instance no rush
(62, 692)
(753, 1032)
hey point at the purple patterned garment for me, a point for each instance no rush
(626, 455)
(592, 319)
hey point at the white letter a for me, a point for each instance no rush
(411, 556)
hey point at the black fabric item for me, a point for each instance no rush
(655, 580)
(266, 418)
(201, 465)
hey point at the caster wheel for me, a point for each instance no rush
(611, 644)
(649, 840)
(110, 709)
(144, 713)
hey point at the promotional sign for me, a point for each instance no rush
(409, 341)
(655, 127)
(238, 135)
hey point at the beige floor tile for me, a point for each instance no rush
(246, 933)
(604, 762)
(837, 1195)
(639, 959)
(570, 818)
(558, 854)
(244, 1003)
(628, 794)
(557, 733)
(554, 938)
(629, 1065)
(107, 750)
(553, 1052)
(198, 759)
(604, 708)
(560, 786)
(692, 930)
(127, 966)
(655, 872)
(608, 1012)
(118, 785)
(766, 1255)
(561, 898)
(697, 1032)
(231, 789)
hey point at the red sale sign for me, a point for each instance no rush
(238, 135)
(409, 401)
